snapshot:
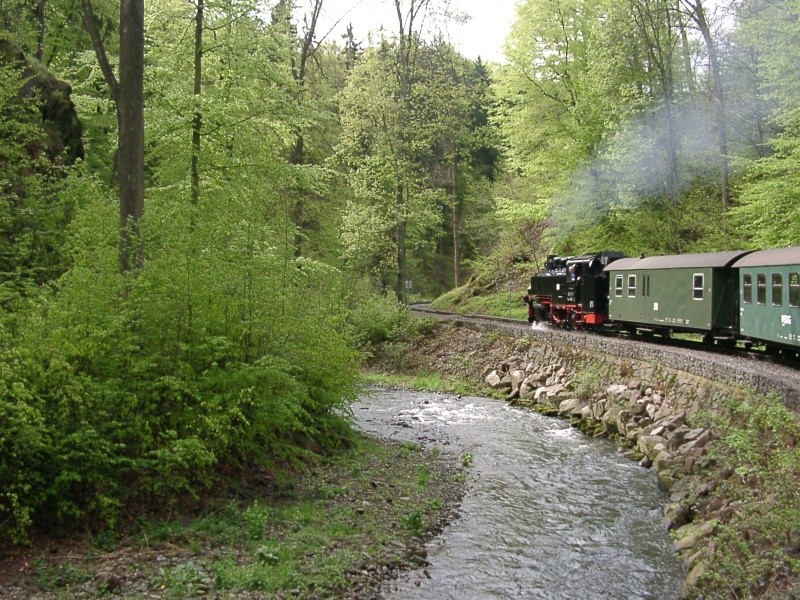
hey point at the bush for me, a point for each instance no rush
(374, 318)
(117, 390)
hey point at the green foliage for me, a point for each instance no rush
(429, 382)
(769, 212)
(226, 348)
(655, 227)
(121, 389)
(52, 578)
(33, 215)
(547, 117)
(586, 383)
(502, 304)
(414, 522)
(376, 318)
(415, 147)
(603, 120)
(758, 543)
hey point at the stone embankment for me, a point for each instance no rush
(651, 410)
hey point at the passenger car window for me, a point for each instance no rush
(747, 288)
(761, 288)
(618, 285)
(697, 286)
(631, 286)
(777, 289)
(794, 289)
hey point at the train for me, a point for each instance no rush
(745, 297)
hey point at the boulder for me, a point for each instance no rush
(548, 392)
(651, 444)
(496, 381)
(517, 377)
(570, 406)
(616, 390)
(598, 409)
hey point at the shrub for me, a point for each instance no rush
(374, 318)
(222, 350)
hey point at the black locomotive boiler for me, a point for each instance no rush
(572, 291)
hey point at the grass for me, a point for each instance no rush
(429, 382)
(303, 540)
(757, 463)
(501, 304)
(308, 542)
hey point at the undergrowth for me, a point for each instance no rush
(757, 538)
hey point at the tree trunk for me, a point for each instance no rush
(654, 21)
(672, 147)
(406, 51)
(90, 24)
(197, 122)
(130, 112)
(400, 240)
(456, 229)
(41, 17)
(687, 60)
(128, 95)
(300, 216)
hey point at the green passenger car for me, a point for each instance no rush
(769, 298)
(687, 292)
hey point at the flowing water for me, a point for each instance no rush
(549, 513)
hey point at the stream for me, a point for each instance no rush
(548, 513)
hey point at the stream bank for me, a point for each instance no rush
(726, 454)
(548, 513)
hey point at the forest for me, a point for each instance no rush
(211, 210)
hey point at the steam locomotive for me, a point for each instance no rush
(750, 297)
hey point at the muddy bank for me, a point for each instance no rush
(337, 531)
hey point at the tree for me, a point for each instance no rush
(769, 202)
(449, 118)
(546, 111)
(433, 146)
(655, 22)
(408, 17)
(197, 121)
(40, 141)
(370, 150)
(128, 94)
(377, 141)
(697, 14)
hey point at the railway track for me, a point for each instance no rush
(735, 366)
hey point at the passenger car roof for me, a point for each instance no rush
(773, 257)
(677, 261)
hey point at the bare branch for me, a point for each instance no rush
(90, 23)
